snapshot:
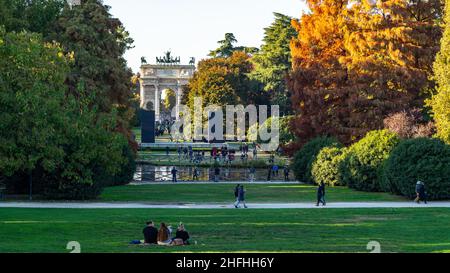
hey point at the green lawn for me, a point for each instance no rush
(330, 230)
(224, 193)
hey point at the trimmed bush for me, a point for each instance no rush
(305, 157)
(362, 165)
(423, 159)
(326, 166)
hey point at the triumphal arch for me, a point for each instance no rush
(167, 73)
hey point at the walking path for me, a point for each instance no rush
(133, 205)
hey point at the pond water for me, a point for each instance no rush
(149, 173)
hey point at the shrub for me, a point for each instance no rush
(326, 166)
(361, 167)
(305, 157)
(409, 124)
(423, 159)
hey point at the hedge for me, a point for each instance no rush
(326, 167)
(305, 157)
(362, 165)
(424, 159)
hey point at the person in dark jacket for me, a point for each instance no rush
(421, 192)
(241, 198)
(236, 192)
(321, 194)
(182, 234)
(216, 174)
(174, 174)
(286, 173)
(150, 233)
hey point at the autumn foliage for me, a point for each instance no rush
(356, 63)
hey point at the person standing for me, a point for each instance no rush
(174, 174)
(216, 174)
(255, 153)
(275, 170)
(241, 198)
(321, 194)
(196, 174)
(286, 173)
(252, 174)
(167, 150)
(421, 192)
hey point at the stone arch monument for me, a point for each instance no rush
(167, 73)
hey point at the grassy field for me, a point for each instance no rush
(224, 193)
(398, 230)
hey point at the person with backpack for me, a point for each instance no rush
(421, 192)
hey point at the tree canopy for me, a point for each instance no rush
(354, 64)
(273, 62)
(440, 102)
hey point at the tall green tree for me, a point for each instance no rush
(99, 73)
(226, 47)
(440, 102)
(273, 61)
(68, 148)
(32, 15)
(32, 93)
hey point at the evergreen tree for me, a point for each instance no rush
(273, 61)
(226, 47)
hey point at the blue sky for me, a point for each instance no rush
(191, 28)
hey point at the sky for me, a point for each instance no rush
(191, 28)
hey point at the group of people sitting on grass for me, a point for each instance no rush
(163, 236)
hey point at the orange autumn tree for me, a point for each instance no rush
(356, 62)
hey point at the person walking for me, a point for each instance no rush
(236, 193)
(196, 174)
(241, 198)
(252, 174)
(216, 174)
(269, 174)
(421, 192)
(321, 194)
(286, 173)
(174, 174)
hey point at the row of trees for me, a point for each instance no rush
(65, 99)
(357, 62)
(247, 75)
